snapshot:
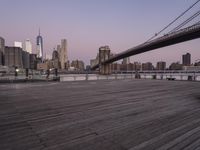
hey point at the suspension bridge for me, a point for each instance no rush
(177, 35)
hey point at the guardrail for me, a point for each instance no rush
(160, 76)
(191, 76)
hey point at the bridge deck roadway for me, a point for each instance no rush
(100, 115)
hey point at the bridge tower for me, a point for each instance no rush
(104, 54)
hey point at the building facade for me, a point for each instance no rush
(28, 46)
(2, 50)
(33, 61)
(55, 59)
(137, 66)
(186, 59)
(197, 63)
(63, 54)
(26, 59)
(78, 65)
(161, 65)
(126, 61)
(115, 67)
(176, 66)
(55, 55)
(13, 57)
(18, 44)
(147, 66)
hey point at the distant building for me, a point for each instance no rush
(2, 44)
(1, 59)
(28, 46)
(191, 68)
(137, 66)
(18, 44)
(176, 66)
(161, 65)
(67, 64)
(43, 66)
(126, 65)
(59, 51)
(33, 61)
(26, 59)
(39, 47)
(13, 57)
(63, 54)
(55, 59)
(115, 67)
(88, 68)
(78, 65)
(2, 50)
(197, 63)
(126, 61)
(147, 66)
(186, 59)
(55, 55)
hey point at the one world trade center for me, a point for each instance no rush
(39, 46)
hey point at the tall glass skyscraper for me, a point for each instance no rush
(39, 44)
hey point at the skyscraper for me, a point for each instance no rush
(18, 44)
(2, 50)
(186, 59)
(28, 46)
(39, 46)
(63, 53)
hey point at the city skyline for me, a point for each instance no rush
(90, 24)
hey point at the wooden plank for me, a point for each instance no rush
(113, 114)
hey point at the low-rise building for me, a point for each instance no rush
(161, 65)
(147, 66)
(115, 67)
(191, 68)
(176, 66)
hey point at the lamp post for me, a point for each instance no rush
(16, 72)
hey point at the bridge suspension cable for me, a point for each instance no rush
(173, 21)
(186, 21)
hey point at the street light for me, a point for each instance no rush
(16, 71)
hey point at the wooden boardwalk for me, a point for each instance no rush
(100, 115)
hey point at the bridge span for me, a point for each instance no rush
(183, 35)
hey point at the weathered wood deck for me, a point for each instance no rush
(100, 115)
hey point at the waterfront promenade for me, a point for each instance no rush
(100, 115)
